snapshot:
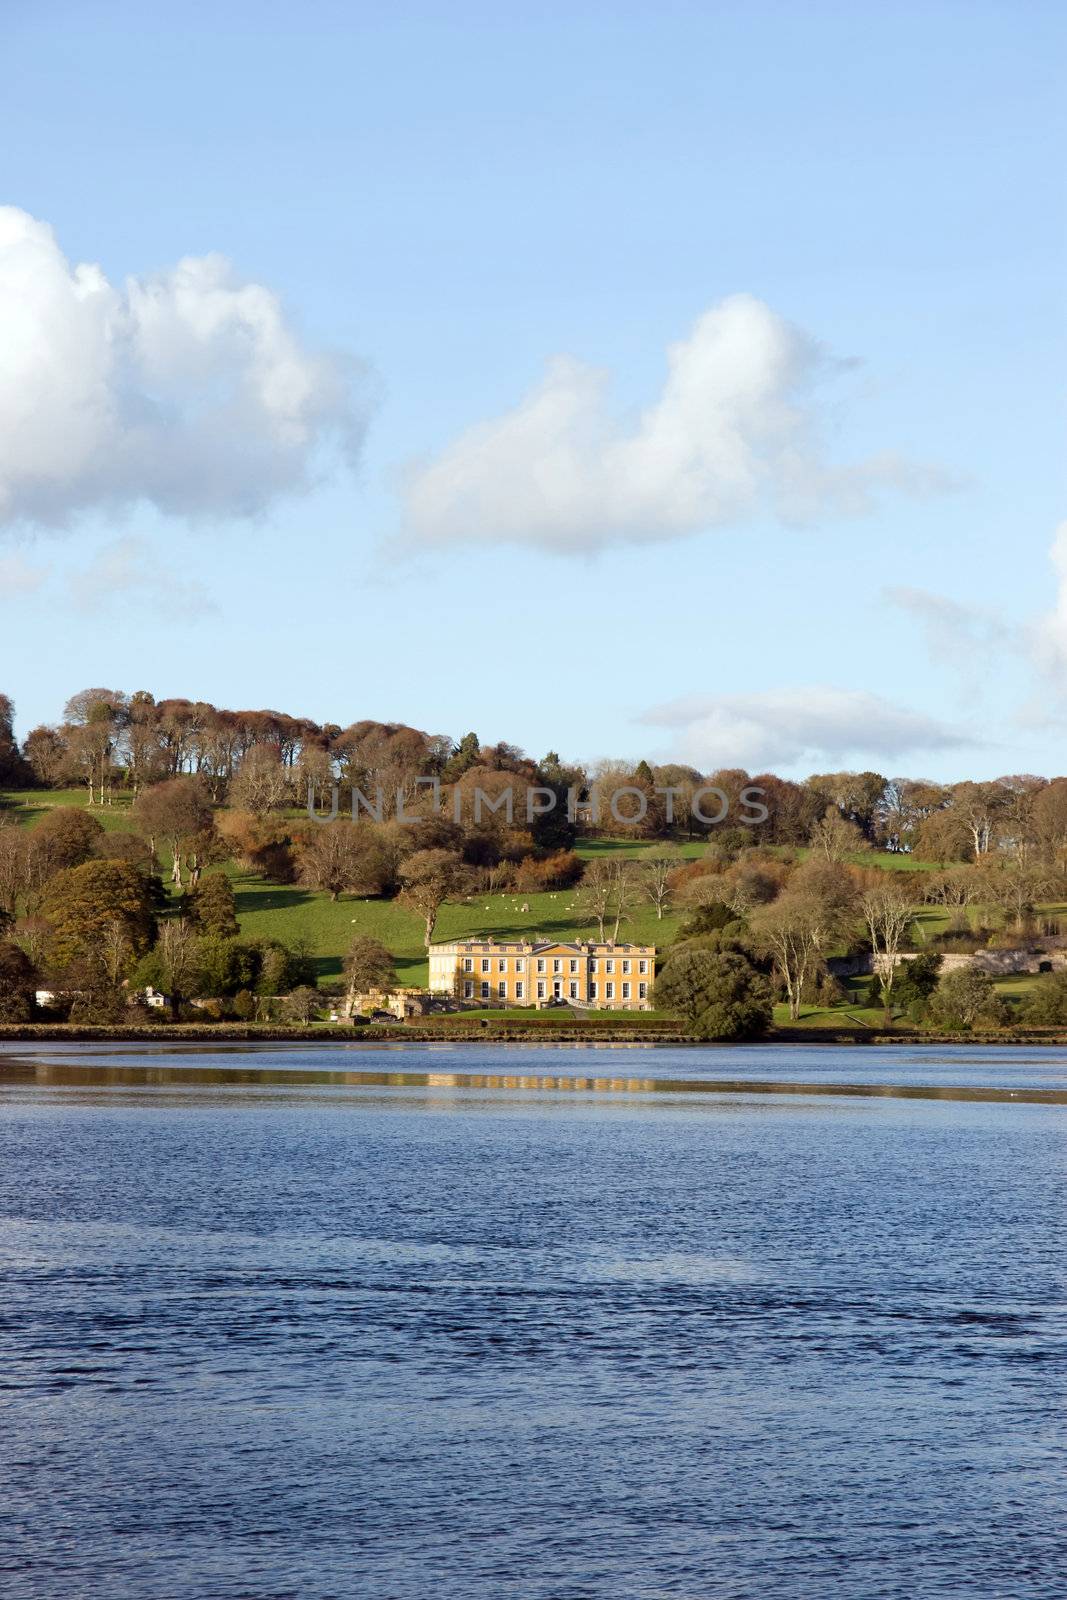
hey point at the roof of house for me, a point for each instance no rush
(534, 945)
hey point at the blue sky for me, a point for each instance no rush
(829, 542)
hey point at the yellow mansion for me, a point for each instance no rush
(532, 972)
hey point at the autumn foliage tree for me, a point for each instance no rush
(176, 814)
(100, 915)
(213, 907)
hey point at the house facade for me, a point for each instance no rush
(540, 972)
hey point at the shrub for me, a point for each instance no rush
(1046, 1006)
(718, 996)
(917, 980)
(18, 984)
(965, 997)
(561, 870)
(302, 1004)
(244, 1005)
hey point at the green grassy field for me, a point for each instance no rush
(27, 806)
(327, 927)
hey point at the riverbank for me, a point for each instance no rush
(482, 1031)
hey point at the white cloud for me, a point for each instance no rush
(187, 389)
(784, 728)
(958, 634)
(19, 578)
(733, 434)
(1050, 633)
(126, 572)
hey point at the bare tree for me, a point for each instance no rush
(787, 931)
(262, 783)
(95, 718)
(887, 909)
(834, 837)
(606, 894)
(980, 806)
(341, 858)
(430, 877)
(654, 877)
(1017, 886)
(176, 950)
(368, 965)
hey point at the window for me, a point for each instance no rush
(610, 965)
(642, 966)
(519, 990)
(485, 991)
(520, 965)
(540, 991)
(592, 990)
(540, 965)
(557, 965)
(574, 966)
(468, 991)
(626, 991)
(502, 965)
(609, 991)
(502, 990)
(485, 965)
(468, 964)
(626, 966)
(642, 991)
(574, 991)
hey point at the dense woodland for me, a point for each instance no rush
(97, 912)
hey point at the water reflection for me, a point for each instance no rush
(20, 1070)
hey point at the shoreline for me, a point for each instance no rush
(486, 1033)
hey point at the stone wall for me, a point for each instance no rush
(1048, 956)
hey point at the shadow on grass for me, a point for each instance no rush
(637, 846)
(274, 898)
(530, 927)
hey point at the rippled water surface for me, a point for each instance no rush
(557, 1323)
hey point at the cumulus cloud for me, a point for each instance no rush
(783, 728)
(733, 434)
(187, 389)
(19, 577)
(128, 570)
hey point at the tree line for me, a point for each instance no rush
(263, 762)
(85, 910)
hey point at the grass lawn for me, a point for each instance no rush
(631, 849)
(292, 914)
(28, 806)
(843, 1017)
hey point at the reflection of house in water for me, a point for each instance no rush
(540, 972)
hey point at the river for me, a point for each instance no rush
(551, 1323)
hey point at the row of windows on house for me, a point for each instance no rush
(542, 987)
(573, 964)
